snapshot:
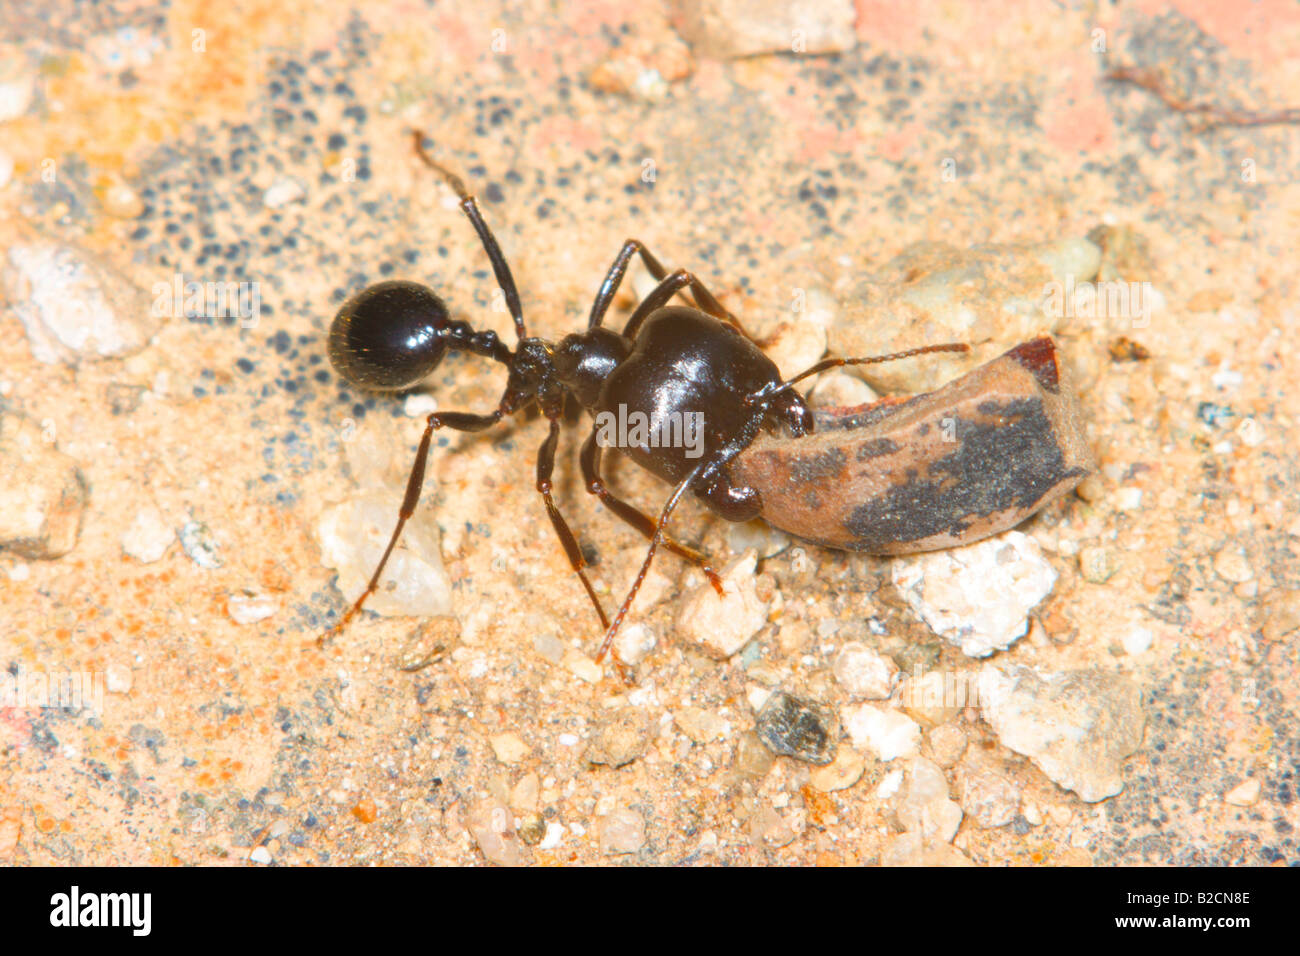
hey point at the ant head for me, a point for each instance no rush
(389, 336)
(790, 409)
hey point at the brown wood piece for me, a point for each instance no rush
(946, 468)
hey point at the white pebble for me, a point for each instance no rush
(1244, 794)
(149, 536)
(283, 191)
(634, 643)
(864, 673)
(883, 731)
(1138, 641)
(978, 597)
(554, 834)
(250, 606)
(721, 626)
(353, 535)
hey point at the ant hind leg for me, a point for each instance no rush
(461, 421)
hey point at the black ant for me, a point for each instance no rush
(668, 361)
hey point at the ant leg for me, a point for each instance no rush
(704, 299)
(469, 205)
(615, 276)
(461, 421)
(545, 465)
(655, 539)
(665, 290)
(591, 455)
(766, 393)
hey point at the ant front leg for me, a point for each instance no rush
(638, 519)
(545, 465)
(655, 539)
(461, 421)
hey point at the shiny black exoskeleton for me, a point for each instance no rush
(668, 362)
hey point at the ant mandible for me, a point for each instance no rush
(668, 360)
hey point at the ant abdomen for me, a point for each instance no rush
(389, 336)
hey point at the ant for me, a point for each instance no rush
(668, 360)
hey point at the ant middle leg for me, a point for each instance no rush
(461, 421)
(545, 466)
(638, 519)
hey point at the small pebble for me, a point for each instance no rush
(978, 597)
(282, 192)
(765, 540)
(620, 737)
(1244, 794)
(1076, 726)
(198, 542)
(250, 606)
(1279, 614)
(922, 804)
(582, 666)
(947, 744)
(42, 491)
(509, 747)
(841, 390)
(419, 405)
(554, 836)
(987, 796)
(882, 731)
(753, 759)
(532, 829)
(797, 728)
(353, 535)
(864, 673)
(1091, 489)
(148, 537)
(843, 772)
(622, 831)
(702, 726)
(260, 855)
(721, 626)
(634, 643)
(123, 202)
(118, 678)
(768, 827)
(1232, 565)
(17, 82)
(797, 345)
(722, 29)
(74, 305)
(549, 646)
(1129, 499)
(1138, 641)
(1096, 565)
(525, 793)
(492, 827)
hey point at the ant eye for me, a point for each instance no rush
(389, 336)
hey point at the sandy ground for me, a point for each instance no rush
(148, 136)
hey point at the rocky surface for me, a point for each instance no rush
(874, 183)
